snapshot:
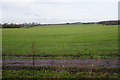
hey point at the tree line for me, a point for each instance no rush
(28, 25)
(24, 25)
(115, 22)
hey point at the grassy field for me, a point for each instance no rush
(53, 74)
(62, 41)
(59, 72)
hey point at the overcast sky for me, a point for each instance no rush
(57, 11)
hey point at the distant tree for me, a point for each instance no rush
(67, 23)
(109, 22)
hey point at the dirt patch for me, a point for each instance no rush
(84, 63)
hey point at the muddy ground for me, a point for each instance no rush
(85, 63)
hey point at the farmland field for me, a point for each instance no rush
(61, 41)
(86, 51)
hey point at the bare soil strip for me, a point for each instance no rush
(85, 63)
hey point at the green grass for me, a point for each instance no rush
(58, 72)
(82, 41)
(55, 74)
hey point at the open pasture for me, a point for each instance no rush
(61, 41)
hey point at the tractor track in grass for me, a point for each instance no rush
(83, 63)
